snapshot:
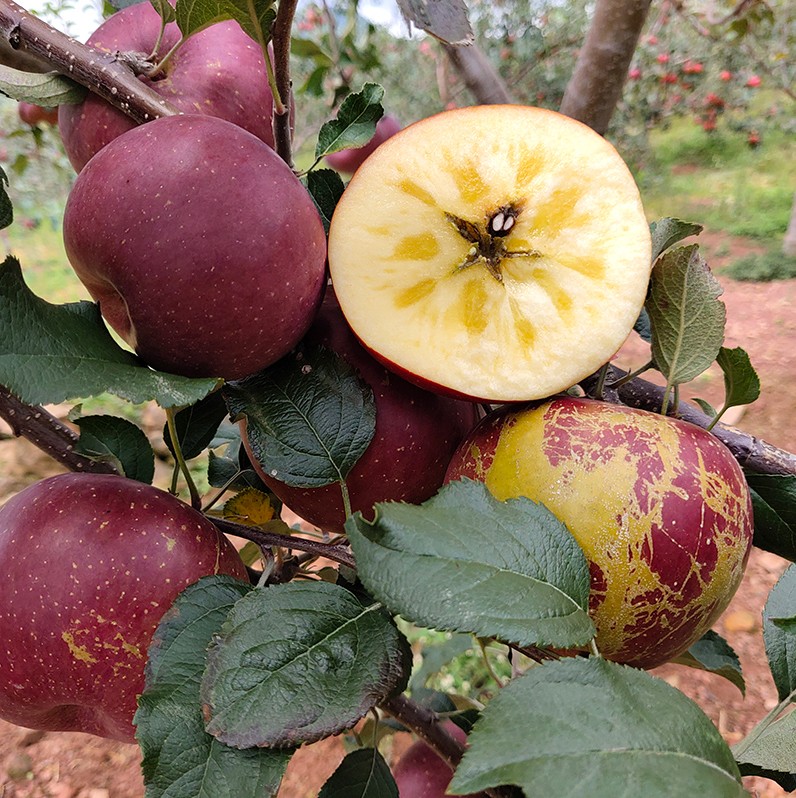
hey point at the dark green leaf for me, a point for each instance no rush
(741, 383)
(51, 353)
(47, 89)
(686, 315)
(780, 638)
(165, 9)
(430, 564)
(707, 407)
(197, 425)
(355, 123)
(592, 727)
(255, 16)
(642, 326)
(308, 417)
(313, 85)
(300, 661)
(119, 441)
(436, 656)
(774, 502)
(180, 759)
(325, 187)
(714, 654)
(667, 232)
(6, 208)
(362, 774)
(445, 20)
(225, 472)
(771, 754)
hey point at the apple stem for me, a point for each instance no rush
(196, 499)
(593, 646)
(346, 498)
(630, 375)
(154, 54)
(160, 65)
(488, 664)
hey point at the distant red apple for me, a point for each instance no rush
(634, 74)
(416, 435)
(32, 114)
(662, 58)
(90, 564)
(204, 250)
(219, 71)
(753, 81)
(725, 75)
(422, 773)
(348, 161)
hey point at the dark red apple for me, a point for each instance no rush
(416, 434)
(659, 506)
(422, 773)
(219, 71)
(348, 161)
(203, 249)
(90, 563)
(32, 114)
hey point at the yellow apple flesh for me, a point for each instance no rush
(497, 252)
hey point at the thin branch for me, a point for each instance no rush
(99, 72)
(478, 74)
(283, 24)
(48, 433)
(339, 554)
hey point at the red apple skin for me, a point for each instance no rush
(422, 773)
(416, 435)
(214, 265)
(219, 71)
(32, 114)
(90, 564)
(348, 161)
(660, 507)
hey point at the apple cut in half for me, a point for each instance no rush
(498, 253)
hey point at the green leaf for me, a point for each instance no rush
(667, 232)
(51, 353)
(180, 759)
(165, 9)
(436, 656)
(297, 662)
(307, 48)
(445, 20)
(313, 85)
(6, 208)
(255, 16)
(780, 638)
(594, 727)
(642, 326)
(355, 123)
(197, 425)
(741, 383)
(47, 89)
(362, 774)
(325, 187)
(686, 315)
(771, 754)
(774, 503)
(712, 653)
(119, 441)
(224, 471)
(706, 407)
(464, 561)
(308, 417)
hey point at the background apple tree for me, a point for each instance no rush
(348, 596)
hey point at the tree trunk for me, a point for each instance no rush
(596, 83)
(478, 74)
(789, 244)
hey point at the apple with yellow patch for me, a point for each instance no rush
(90, 564)
(497, 252)
(659, 506)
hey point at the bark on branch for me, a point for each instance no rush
(478, 73)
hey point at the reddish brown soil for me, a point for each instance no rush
(761, 318)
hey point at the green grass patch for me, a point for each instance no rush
(762, 268)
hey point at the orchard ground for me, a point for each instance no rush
(761, 318)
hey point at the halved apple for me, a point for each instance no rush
(497, 252)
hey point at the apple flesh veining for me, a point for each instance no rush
(497, 252)
(659, 506)
(219, 71)
(90, 565)
(205, 252)
(422, 773)
(348, 161)
(416, 435)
